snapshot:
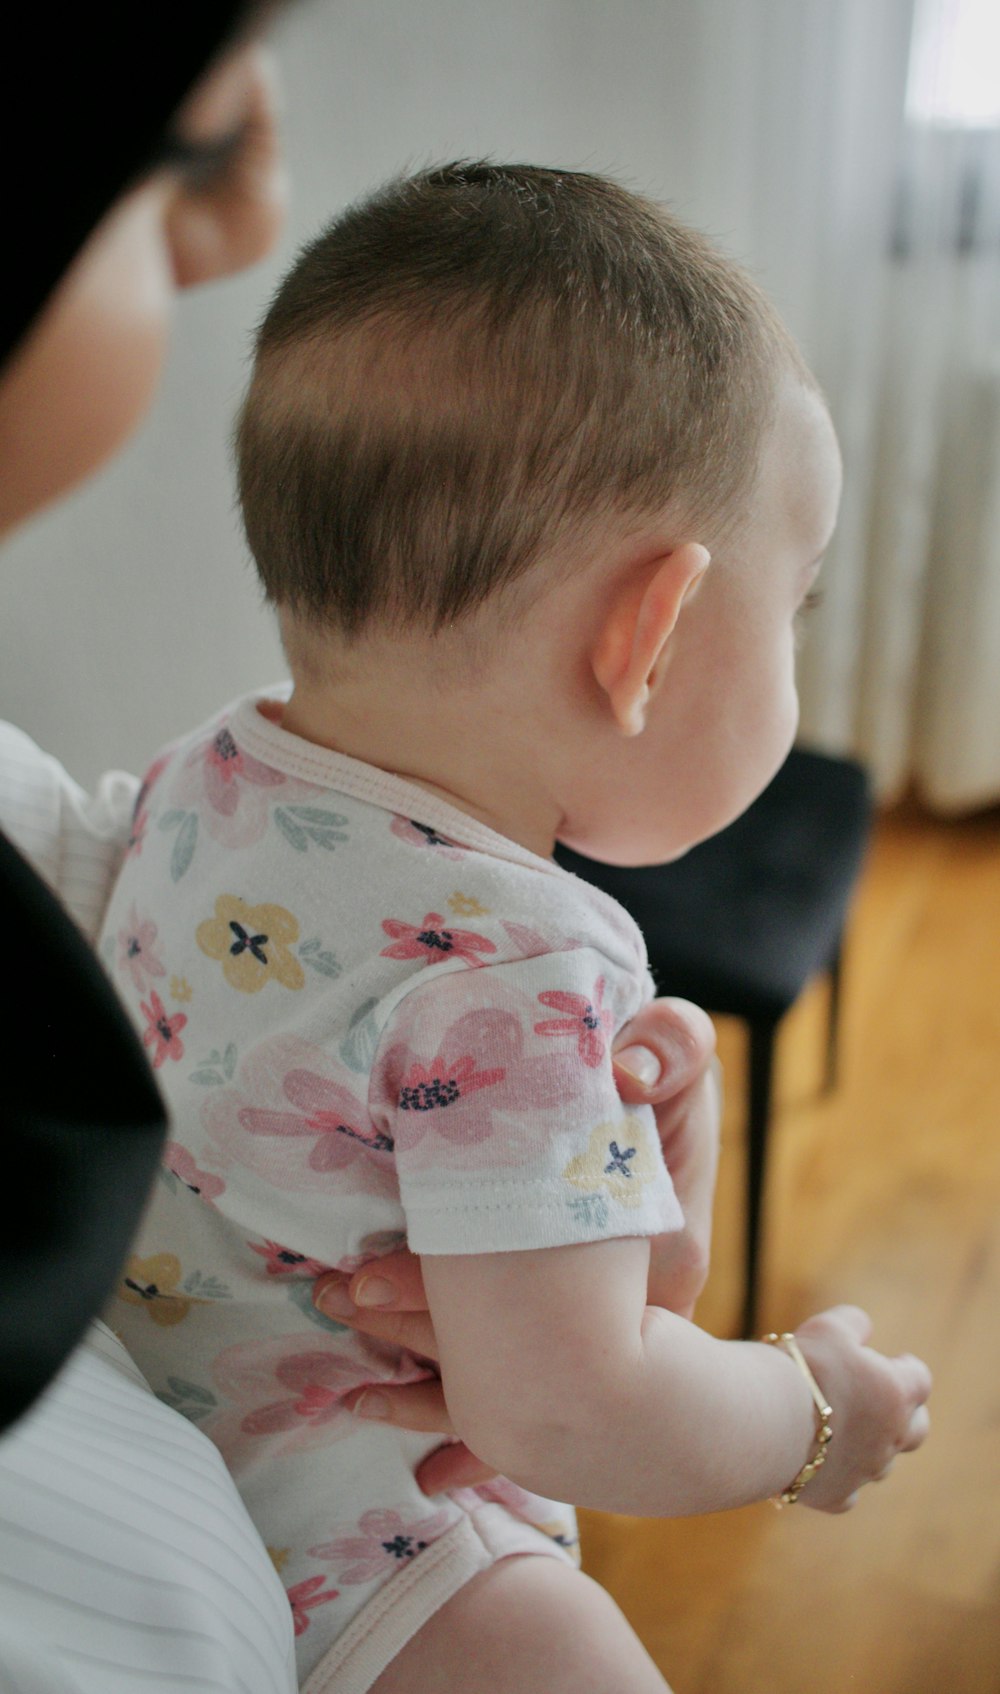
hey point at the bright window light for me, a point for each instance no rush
(954, 78)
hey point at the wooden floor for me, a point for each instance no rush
(887, 1194)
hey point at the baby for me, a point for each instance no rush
(537, 483)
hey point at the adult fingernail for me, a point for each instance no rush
(334, 1301)
(374, 1291)
(371, 1404)
(641, 1064)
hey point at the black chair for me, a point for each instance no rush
(743, 921)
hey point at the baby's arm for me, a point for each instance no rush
(587, 1394)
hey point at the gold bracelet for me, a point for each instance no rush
(824, 1434)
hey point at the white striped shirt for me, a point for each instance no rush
(128, 1564)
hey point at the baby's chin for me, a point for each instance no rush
(637, 845)
(627, 853)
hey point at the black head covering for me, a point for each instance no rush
(81, 1120)
(92, 90)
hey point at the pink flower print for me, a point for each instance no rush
(387, 1541)
(588, 1020)
(179, 1161)
(314, 1385)
(225, 766)
(137, 831)
(422, 835)
(531, 943)
(137, 951)
(327, 1112)
(284, 1393)
(140, 812)
(554, 1520)
(151, 777)
(233, 789)
(293, 1144)
(162, 1032)
(443, 1083)
(374, 1246)
(284, 1261)
(433, 941)
(303, 1596)
(478, 1069)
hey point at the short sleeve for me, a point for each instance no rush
(495, 1087)
(74, 840)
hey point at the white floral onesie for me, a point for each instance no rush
(373, 1019)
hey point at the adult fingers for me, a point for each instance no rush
(452, 1467)
(662, 1051)
(420, 1406)
(411, 1405)
(410, 1329)
(394, 1283)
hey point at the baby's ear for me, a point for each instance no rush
(632, 646)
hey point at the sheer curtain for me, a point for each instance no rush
(930, 700)
(875, 220)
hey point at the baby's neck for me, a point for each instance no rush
(476, 745)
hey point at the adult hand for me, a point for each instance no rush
(664, 1058)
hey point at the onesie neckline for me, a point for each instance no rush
(268, 741)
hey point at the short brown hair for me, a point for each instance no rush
(470, 362)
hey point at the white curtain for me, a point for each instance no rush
(876, 224)
(930, 700)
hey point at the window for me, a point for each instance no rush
(954, 76)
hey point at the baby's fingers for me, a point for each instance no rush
(915, 1381)
(917, 1430)
(915, 1376)
(848, 1320)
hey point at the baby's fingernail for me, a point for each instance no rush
(334, 1301)
(374, 1291)
(371, 1404)
(640, 1063)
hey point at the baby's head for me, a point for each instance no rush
(476, 373)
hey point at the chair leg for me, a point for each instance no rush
(831, 1069)
(761, 1067)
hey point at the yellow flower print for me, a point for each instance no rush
(149, 1282)
(180, 988)
(279, 1557)
(467, 906)
(252, 944)
(619, 1162)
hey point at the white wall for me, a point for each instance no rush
(131, 611)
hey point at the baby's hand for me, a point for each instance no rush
(879, 1405)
